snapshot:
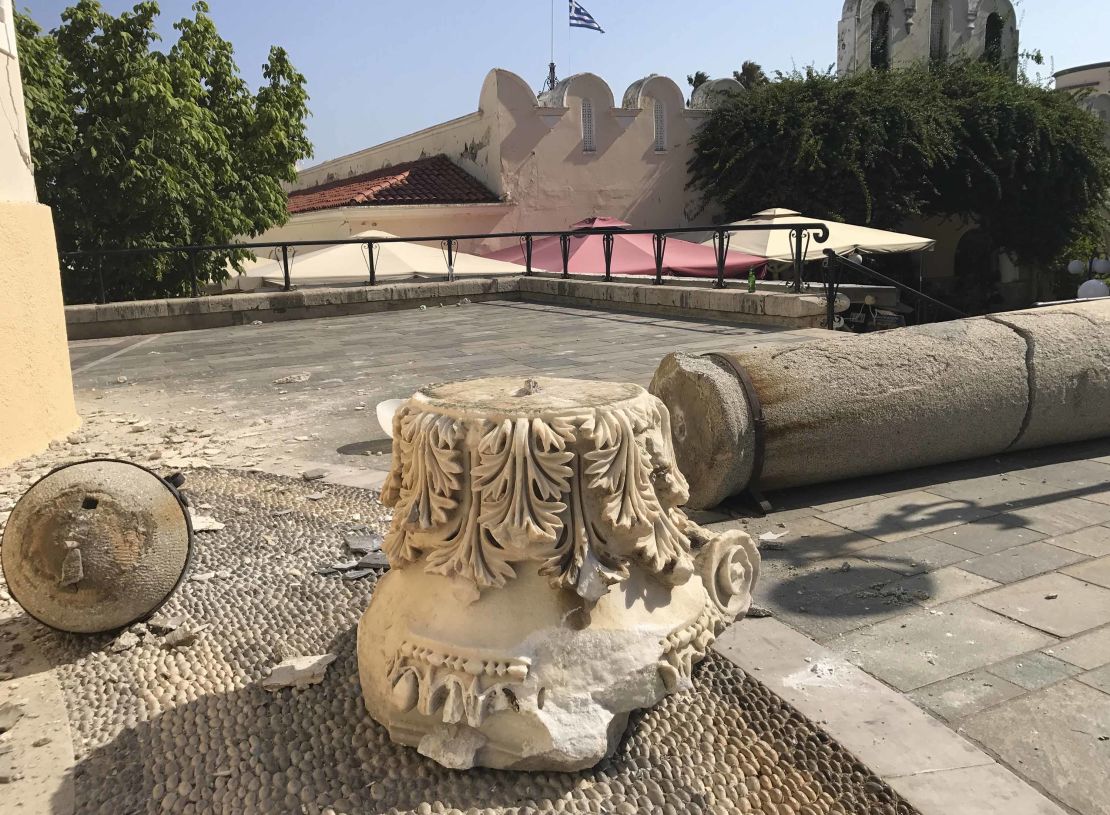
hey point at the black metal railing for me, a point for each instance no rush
(835, 265)
(721, 237)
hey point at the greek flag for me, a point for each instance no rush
(580, 18)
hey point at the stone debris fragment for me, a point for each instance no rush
(298, 672)
(767, 537)
(256, 322)
(162, 624)
(374, 560)
(121, 380)
(180, 637)
(202, 577)
(364, 544)
(316, 496)
(204, 523)
(10, 714)
(759, 613)
(280, 512)
(342, 566)
(292, 379)
(314, 474)
(357, 574)
(10, 776)
(124, 642)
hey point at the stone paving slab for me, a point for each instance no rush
(928, 645)
(1056, 603)
(943, 586)
(1021, 562)
(1098, 679)
(1091, 650)
(1093, 541)
(924, 761)
(906, 516)
(1054, 737)
(988, 536)
(960, 696)
(1093, 571)
(916, 555)
(1065, 515)
(996, 489)
(1034, 671)
(974, 791)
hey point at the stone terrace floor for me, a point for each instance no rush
(981, 589)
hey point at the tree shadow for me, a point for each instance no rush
(814, 578)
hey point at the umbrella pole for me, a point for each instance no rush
(797, 234)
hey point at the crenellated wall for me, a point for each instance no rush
(531, 152)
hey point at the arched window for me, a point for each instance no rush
(587, 126)
(660, 126)
(880, 36)
(993, 51)
(938, 42)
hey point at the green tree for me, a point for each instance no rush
(1026, 164)
(852, 150)
(135, 147)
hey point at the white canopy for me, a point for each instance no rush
(346, 263)
(776, 244)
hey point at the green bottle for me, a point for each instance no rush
(751, 279)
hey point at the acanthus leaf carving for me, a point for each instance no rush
(523, 475)
(619, 471)
(423, 486)
(470, 550)
(581, 561)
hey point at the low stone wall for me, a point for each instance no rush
(735, 305)
(191, 313)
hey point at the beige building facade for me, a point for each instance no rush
(1091, 84)
(876, 34)
(36, 399)
(543, 161)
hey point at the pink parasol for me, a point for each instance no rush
(632, 254)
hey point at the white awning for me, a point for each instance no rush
(776, 244)
(346, 264)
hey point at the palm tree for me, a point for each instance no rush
(750, 75)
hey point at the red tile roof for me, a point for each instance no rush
(434, 180)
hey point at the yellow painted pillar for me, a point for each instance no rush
(36, 390)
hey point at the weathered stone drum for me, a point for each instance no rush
(544, 581)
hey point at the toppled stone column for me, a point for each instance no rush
(853, 405)
(1068, 358)
(544, 582)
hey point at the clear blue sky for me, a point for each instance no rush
(377, 70)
